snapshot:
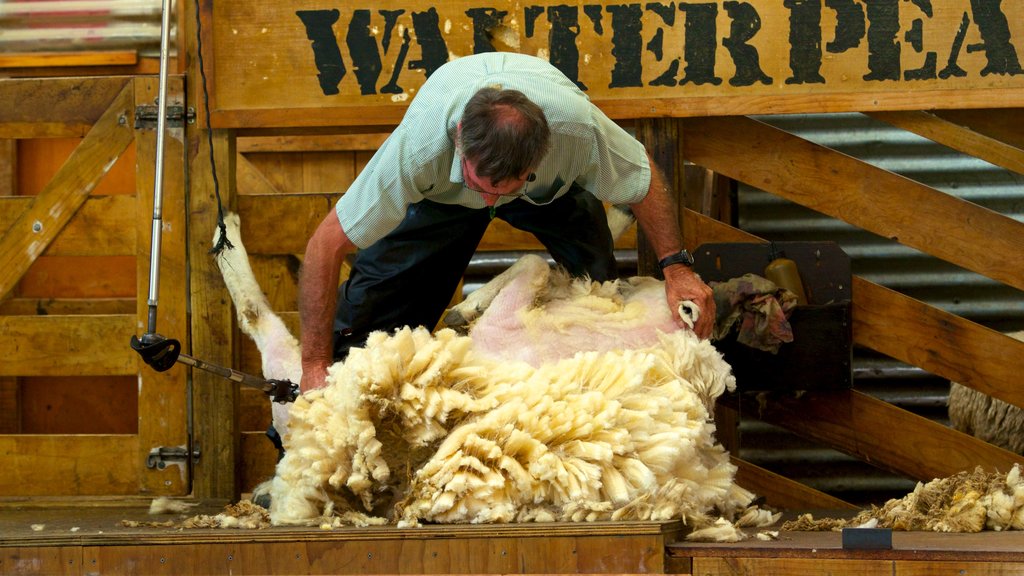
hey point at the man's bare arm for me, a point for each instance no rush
(659, 218)
(318, 289)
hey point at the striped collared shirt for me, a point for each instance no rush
(420, 160)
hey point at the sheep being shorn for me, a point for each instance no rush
(990, 419)
(419, 427)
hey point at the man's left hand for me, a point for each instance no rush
(682, 284)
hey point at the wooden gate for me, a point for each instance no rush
(74, 278)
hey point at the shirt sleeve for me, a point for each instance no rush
(619, 171)
(376, 202)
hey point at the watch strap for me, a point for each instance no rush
(681, 257)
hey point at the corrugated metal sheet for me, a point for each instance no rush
(885, 262)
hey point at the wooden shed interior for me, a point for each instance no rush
(260, 127)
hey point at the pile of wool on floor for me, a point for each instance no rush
(418, 428)
(964, 502)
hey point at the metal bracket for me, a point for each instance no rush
(177, 115)
(159, 457)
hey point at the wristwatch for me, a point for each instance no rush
(682, 257)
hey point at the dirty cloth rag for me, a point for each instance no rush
(757, 308)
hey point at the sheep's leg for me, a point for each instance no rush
(279, 350)
(476, 303)
(620, 218)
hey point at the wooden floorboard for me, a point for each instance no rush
(92, 540)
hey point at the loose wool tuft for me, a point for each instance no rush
(964, 502)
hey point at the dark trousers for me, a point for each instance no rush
(408, 277)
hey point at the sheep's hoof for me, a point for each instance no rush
(455, 319)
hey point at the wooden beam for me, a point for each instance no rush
(961, 138)
(781, 492)
(937, 341)
(8, 168)
(163, 397)
(56, 107)
(103, 226)
(863, 427)
(10, 386)
(662, 138)
(51, 210)
(386, 117)
(876, 200)
(66, 306)
(61, 345)
(212, 330)
(1003, 124)
(62, 59)
(312, 143)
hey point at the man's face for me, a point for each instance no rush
(512, 187)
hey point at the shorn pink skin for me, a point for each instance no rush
(542, 316)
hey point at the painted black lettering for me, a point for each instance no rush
(484, 20)
(656, 46)
(656, 43)
(326, 54)
(530, 15)
(362, 47)
(594, 12)
(952, 68)
(804, 41)
(433, 50)
(565, 27)
(995, 33)
(915, 38)
(626, 43)
(745, 24)
(849, 25)
(701, 42)
(390, 19)
(883, 49)
(392, 86)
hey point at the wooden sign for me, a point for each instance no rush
(327, 62)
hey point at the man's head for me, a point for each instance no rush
(503, 136)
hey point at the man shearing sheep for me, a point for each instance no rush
(495, 135)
